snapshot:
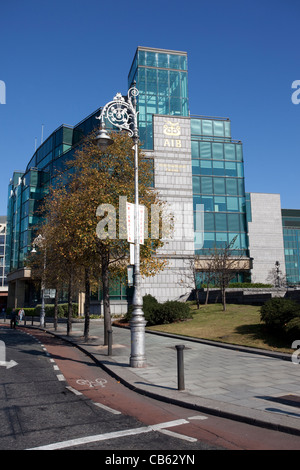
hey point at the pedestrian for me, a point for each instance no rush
(13, 318)
(21, 314)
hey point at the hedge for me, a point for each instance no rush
(160, 313)
(49, 310)
(282, 315)
(277, 312)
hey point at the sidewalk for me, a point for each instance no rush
(225, 381)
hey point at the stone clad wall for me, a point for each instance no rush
(265, 236)
(173, 180)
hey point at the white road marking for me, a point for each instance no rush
(107, 408)
(60, 377)
(110, 435)
(73, 390)
(198, 417)
(178, 436)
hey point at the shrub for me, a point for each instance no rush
(62, 310)
(277, 312)
(159, 313)
(251, 285)
(149, 305)
(28, 311)
(171, 311)
(292, 328)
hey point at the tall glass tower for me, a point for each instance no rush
(161, 78)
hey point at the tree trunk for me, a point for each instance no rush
(55, 308)
(70, 307)
(207, 294)
(105, 288)
(87, 304)
(224, 298)
(197, 298)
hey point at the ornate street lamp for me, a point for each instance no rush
(39, 241)
(122, 114)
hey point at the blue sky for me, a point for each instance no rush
(62, 59)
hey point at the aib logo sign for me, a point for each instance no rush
(296, 94)
(2, 92)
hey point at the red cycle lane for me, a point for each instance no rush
(85, 376)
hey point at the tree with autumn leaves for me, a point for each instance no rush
(84, 197)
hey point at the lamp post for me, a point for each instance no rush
(277, 266)
(39, 241)
(122, 114)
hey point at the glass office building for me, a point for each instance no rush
(161, 78)
(291, 239)
(218, 184)
(196, 162)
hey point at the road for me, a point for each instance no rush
(56, 397)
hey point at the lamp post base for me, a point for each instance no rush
(137, 326)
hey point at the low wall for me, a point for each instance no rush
(249, 296)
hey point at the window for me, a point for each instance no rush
(217, 151)
(233, 223)
(218, 128)
(209, 222)
(220, 204)
(231, 185)
(151, 75)
(207, 127)
(195, 149)
(196, 167)
(205, 167)
(230, 169)
(239, 152)
(163, 83)
(209, 239)
(205, 150)
(229, 150)
(219, 186)
(218, 168)
(221, 240)
(232, 204)
(207, 202)
(206, 185)
(196, 185)
(196, 126)
(221, 222)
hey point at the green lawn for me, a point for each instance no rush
(239, 324)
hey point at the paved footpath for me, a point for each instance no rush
(226, 381)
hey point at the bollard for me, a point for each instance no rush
(180, 367)
(109, 342)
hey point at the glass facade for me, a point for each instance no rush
(27, 189)
(161, 78)
(3, 280)
(218, 185)
(291, 240)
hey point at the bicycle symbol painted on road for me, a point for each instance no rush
(91, 384)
